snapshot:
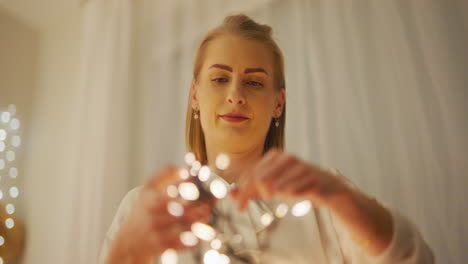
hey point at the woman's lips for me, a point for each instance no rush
(236, 118)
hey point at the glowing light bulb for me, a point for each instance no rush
(15, 141)
(1, 260)
(14, 192)
(13, 172)
(2, 146)
(211, 257)
(10, 209)
(281, 210)
(2, 240)
(218, 189)
(1, 194)
(10, 155)
(196, 165)
(9, 223)
(204, 173)
(223, 259)
(172, 191)
(189, 191)
(184, 174)
(2, 164)
(188, 239)
(301, 208)
(3, 134)
(189, 158)
(222, 161)
(266, 219)
(169, 256)
(203, 231)
(5, 117)
(15, 124)
(176, 209)
(216, 244)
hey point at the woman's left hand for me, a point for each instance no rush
(285, 176)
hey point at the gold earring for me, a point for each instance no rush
(195, 114)
(276, 121)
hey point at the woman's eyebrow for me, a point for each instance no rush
(221, 66)
(229, 69)
(250, 70)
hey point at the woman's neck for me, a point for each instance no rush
(238, 161)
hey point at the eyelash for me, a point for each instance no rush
(224, 80)
(217, 80)
(254, 83)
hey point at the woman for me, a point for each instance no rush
(237, 107)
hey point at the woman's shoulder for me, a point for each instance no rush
(123, 211)
(132, 195)
(126, 205)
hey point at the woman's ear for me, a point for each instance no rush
(280, 101)
(193, 95)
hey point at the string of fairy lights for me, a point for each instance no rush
(198, 185)
(10, 141)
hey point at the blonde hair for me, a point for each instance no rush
(242, 26)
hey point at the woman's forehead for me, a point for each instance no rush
(238, 54)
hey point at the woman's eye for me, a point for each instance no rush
(219, 80)
(254, 83)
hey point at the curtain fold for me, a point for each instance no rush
(104, 100)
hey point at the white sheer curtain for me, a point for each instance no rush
(102, 169)
(80, 160)
(376, 89)
(78, 167)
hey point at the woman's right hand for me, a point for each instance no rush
(149, 229)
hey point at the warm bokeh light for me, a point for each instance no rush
(266, 219)
(281, 210)
(10, 209)
(301, 208)
(218, 189)
(203, 231)
(172, 191)
(176, 209)
(204, 173)
(189, 158)
(189, 191)
(188, 239)
(169, 257)
(222, 161)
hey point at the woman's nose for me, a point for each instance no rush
(235, 95)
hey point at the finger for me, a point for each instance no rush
(257, 186)
(291, 175)
(269, 157)
(162, 240)
(247, 187)
(163, 220)
(299, 186)
(246, 191)
(278, 164)
(268, 175)
(155, 202)
(162, 178)
(308, 189)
